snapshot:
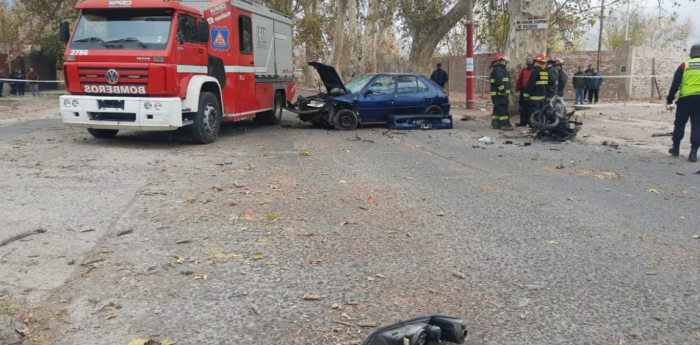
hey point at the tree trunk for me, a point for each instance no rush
(339, 36)
(369, 37)
(427, 36)
(353, 36)
(524, 42)
(310, 9)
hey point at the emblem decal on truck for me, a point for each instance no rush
(218, 8)
(112, 76)
(116, 89)
(120, 4)
(219, 38)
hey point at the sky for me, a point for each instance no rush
(686, 11)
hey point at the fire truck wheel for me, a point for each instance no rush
(272, 117)
(207, 121)
(103, 133)
(345, 120)
(433, 110)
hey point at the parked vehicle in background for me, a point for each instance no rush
(369, 98)
(160, 65)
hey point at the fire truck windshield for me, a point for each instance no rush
(123, 29)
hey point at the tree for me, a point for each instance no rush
(426, 22)
(646, 30)
(379, 16)
(524, 42)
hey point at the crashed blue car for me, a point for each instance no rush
(369, 99)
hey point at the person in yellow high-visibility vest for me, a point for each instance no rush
(687, 80)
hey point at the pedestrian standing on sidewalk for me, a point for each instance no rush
(2, 82)
(588, 72)
(594, 81)
(562, 78)
(687, 79)
(20, 77)
(33, 86)
(439, 76)
(579, 86)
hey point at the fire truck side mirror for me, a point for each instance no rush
(65, 32)
(203, 31)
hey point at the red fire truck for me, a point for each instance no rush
(158, 65)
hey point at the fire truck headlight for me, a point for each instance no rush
(148, 105)
(66, 102)
(75, 103)
(157, 106)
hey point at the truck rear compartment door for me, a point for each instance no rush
(246, 66)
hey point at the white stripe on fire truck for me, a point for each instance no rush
(247, 112)
(191, 69)
(228, 69)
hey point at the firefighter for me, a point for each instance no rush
(500, 90)
(553, 78)
(520, 87)
(536, 88)
(687, 79)
(562, 78)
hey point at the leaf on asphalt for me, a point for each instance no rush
(111, 316)
(271, 217)
(217, 188)
(441, 214)
(370, 198)
(305, 152)
(379, 275)
(552, 242)
(201, 276)
(346, 316)
(312, 297)
(653, 191)
(650, 273)
(348, 223)
(248, 214)
(681, 218)
(459, 275)
(369, 324)
(370, 278)
(233, 218)
(70, 261)
(244, 228)
(165, 342)
(256, 310)
(258, 256)
(232, 203)
(315, 261)
(264, 239)
(191, 200)
(180, 259)
(150, 342)
(206, 201)
(696, 237)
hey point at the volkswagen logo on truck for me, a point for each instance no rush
(112, 76)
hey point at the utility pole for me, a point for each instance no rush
(600, 33)
(470, 55)
(627, 24)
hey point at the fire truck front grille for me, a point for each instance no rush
(98, 75)
(105, 116)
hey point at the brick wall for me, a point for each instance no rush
(667, 60)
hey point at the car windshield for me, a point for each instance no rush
(123, 29)
(355, 86)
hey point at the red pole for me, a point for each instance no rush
(470, 65)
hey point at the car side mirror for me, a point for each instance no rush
(203, 31)
(368, 92)
(65, 32)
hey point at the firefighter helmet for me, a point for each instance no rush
(540, 58)
(558, 61)
(549, 58)
(499, 56)
(529, 60)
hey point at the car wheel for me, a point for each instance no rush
(103, 133)
(272, 117)
(345, 120)
(433, 110)
(207, 120)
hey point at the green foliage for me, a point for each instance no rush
(646, 30)
(418, 14)
(310, 30)
(493, 23)
(53, 47)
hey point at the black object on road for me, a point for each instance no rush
(669, 134)
(420, 331)
(419, 121)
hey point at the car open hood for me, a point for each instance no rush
(330, 78)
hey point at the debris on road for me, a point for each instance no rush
(441, 214)
(150, 342)
(561, 166)
(650, 273)
(468, 118)
(21, 236)
(305, 152)
(88, 263)
(183, 241)
(201, 276)
(315, 261)
(125, 232)
(70, 261)
(353, 303)
(459, 275)
(653, 191)
(367, 324)
(696, 237)
(312, 297)
(335, 306)
(345, 323)
(485, 139)
(668, 134)
(256, 310)
(87, 230)
(258, 256)
(508, 142)
(552, 242)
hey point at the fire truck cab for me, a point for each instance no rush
(158, 65)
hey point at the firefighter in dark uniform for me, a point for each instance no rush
(520, 85)
(500, 90)
(536, 88)
(687, 79)
(562, 78)
(553, 79)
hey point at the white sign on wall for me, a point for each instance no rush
(470, 64)
(532, 24)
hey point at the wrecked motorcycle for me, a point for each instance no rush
(421, 331)
(554, 122)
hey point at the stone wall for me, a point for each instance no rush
(611, 63)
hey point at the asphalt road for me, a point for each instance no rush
(556, 243)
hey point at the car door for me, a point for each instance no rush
(409, 101)
(190, 54)
(378, 100)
